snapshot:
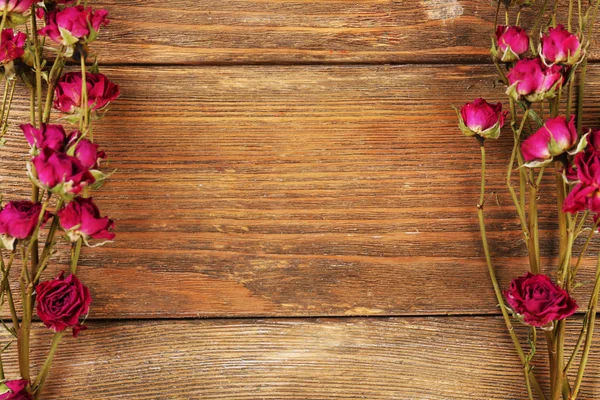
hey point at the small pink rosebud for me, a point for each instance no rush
(559, 46)
(60, 173)
(511, 43)
(15, 389)
(88, 153)
(556, 137)
(11, 45)
(100, 91)
(481, 118)
(533, 81)
(47, 137)
(18, 220)
(74, 24)
(81, 219)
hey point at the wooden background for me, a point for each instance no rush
(295, 207)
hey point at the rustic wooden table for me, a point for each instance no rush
(295, 207)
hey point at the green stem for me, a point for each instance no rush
(570, 15)
(40, 380)
(579, 113)
(47, 252)
(54, 74)
(75, 251)
(84, 98)
(557, 387)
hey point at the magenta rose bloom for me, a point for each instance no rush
(81, 220)
(88, 153)
(16, 6)
(100, 92)
(18, 220)
(538, 300)
(511, 43)
(61, 302)
(585, 195)
(533, 81)
(556, 137)
(47, 137)
(60, 173)
(73, 24)
(481, 118)
(559, 46)
(15, 389)
(11, 46)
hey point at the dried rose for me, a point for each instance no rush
(481, 118)
(60, 173)
(74, 24)
(18, 220)
(100, 92)
(556, 137)
(559, 46)
(81, 220)
(511, 43)
(46, 137)
(533, 81)
(15, 389)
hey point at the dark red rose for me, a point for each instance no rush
(62, 302)
(82, 219)
(15, 389)
(47, 137)
(61, 173)
(538, 300)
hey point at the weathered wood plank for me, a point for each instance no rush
(298, 31)
(408, 358)
(316, 190)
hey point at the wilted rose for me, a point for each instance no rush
(73, 24)
(46, 137)
(81, 219)
(16, 6)
(61, 302)
(11, 45)
(481, 118)
(585, 195)
(511, 43)
(559, 46)
(538, 300)
(15, 389)
(100, 92)
(88, 153)
(18, 220)
(556, 137)
(60, 173)
(533, 81)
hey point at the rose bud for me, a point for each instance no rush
(89, 155)
(18, 220)
(100, 92)
(586, 194)
(74, 24)
(60, 173)
(15, 389)
(538, 300)
(47, 137)
(533, 81)
(556, 137)
(481, 118)
(81, 220)
(61, 302)
(511, 43)
(559, 46)
(11, 45)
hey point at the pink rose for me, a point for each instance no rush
(533, 81)
(60, 172)
(11, 45)
(585, 195)
(512, 43)
(61, 302)
(16, 6)
(81, 219)
(553, 139)
(73, 24)
(18, 220)
(47, 137)
(100, 92)
(481, 118)
(559, 46)
(15, 389)
(538, 300)
(89, 155)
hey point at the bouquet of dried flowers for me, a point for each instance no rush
(38, 41)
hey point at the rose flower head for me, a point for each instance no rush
(15, 389)
(556, 137)
(11, 45)
(18, 220)
(481, 118)
(74, 24)
(59, 173)
(46, 137)
(585, 195)
(15, 10)
(61, 302)
(100, 92)
(89, 154)
(538, 300)
(533, 81)
(559, 46)
(511, 43)
(81, 219)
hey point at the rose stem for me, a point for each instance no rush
(84, 99)
(570, 15)
(492, 273)
(75, 251)
(593, 305)
(54, 74)
(46, 253)
(41, 378)
(6, 287)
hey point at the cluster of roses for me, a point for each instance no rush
(63, 164)
(535, 298)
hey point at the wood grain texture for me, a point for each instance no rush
(305, 190)
(298, 31)
(355, 358)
